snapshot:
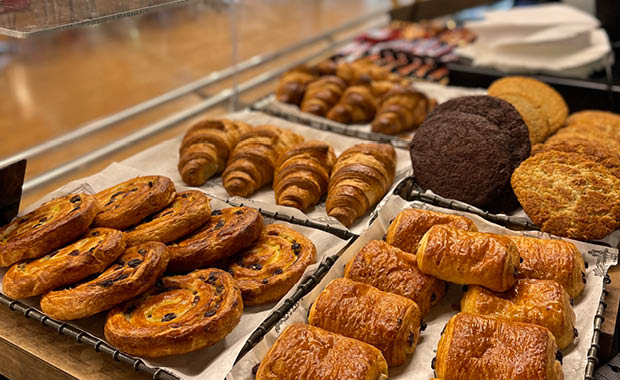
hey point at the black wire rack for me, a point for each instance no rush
(598, 322)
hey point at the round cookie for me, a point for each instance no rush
(595, 117)
(534, 118)
(462, 156)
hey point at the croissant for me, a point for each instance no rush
(363, 69)
(302, 174)
(321, 95)
(402, 109)
(326, 67)
(361, 176)
(253, 161)
(293, 84)
(205, 148)
(357, 106)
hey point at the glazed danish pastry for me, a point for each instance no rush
(180, 314)
(410, 225)
(541, 302)
(304, 352)
(129, 202)
(269, 269)
(395, 271)
(189, 210)
(132, 274)
(228, 231)
(472, 258)
(387, 321)
(52, 225)
(93, 253)
(474, 347)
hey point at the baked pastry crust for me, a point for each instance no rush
(387, 321)
(471, 258)
(293, 83)
(272, 265)
(304, 352)
(228, 231)
(322, 94)
(93, 253)
(391, 270)
(181, 314)
(135, 271)
(407, 229)
(401, 109)
(189, 210)
(475, 347)
(52, 225)
(357, 105)
(129, 202)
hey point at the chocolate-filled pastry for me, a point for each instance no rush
(189, 210)
(410, 225)
(541, 302)
(471, 258)
(228, 231)
(474, 347)
(92, 254)
(180, 314)
(52, 225)
(132, 274)
(556, 260)
(272, 265)
(304, 352)
(387, 321)
(389, 269)
(129, 202)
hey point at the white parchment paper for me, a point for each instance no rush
(419, 365)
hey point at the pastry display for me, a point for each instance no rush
(361, 70)
(93, 253)
(188, 211)
(132, 274)
(293, 84)
(228, 231)
(178, 315)
(302, 174)
(50, 226)
(206, 147)
(304, 352)
(253, 161)
(471, 258)
(407, 229)
(541, 302)
(358, 105)
(127, 203)
(360, 178)
(387, 321)
(322, 94)
(402, 109)
(391, 270)
(272, 265)
(475, 347)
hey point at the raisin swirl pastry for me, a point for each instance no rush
(92, 254)
(228, 231)
(188, 211)
(131, 275)
(180, 314)
(271, 267)
(129, 202)
(52, 225)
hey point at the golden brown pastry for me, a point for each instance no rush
(411, 224)
(361, 70)
(253, 162)
(135, 271)
(556, 260)
(326, 67)
(357, 106)
(603, 121)
(541, 302)
(387, 321)
(391, 270)
(272, 265)
(322, 94)
(181, 314)
(304, 352)
(302, 174)
(293, 84)
(189, 210)
(472, 258)
(360, 178)
(129, 202)
(228, 231)
(93, 253)
(474, 347)
(50, 226)
(402, 109)
(206, 147)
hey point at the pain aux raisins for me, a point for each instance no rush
(296, 247)
(134, 263)
(168, 317)
(278, 271)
